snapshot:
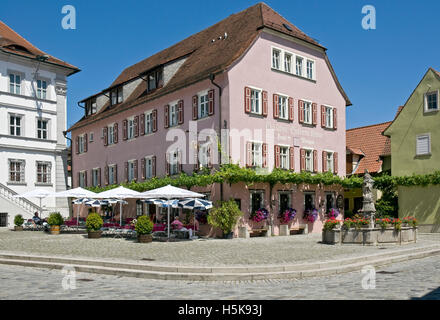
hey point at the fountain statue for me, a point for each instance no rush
(368, 209)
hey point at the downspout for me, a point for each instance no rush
(84, 113)
(212, 77)
(71, 167)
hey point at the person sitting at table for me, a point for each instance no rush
(176, 224)
(193, 223)
(36, 219)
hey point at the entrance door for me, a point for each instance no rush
(3, 219)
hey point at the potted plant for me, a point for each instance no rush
(94, 224)
(259, 215)
(330, 224)
(55, 220)
(310, 215)
(143, 228)
(225, 217)
(287, 216)
(18, 221)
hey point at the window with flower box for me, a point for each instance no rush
(256, 200)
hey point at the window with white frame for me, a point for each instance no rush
(15, 125)
(307, 112)
(130, 170)
(423, 146)
(310, 69)
(81, 143)
(149, 122)
(173, 115)
(16, 171)
(257, 154)
(95, 177)
(130, 128)
(329, 117)
(14, 83)
(41, 89)
(284, 157)
(174, 162)
(299, 66)
(283, 107)
(42, 129)
(203, 105)
(149, 167)
(139, 208)
(44, 172)
(91, 137)
(309, 160)
(111, 174)
(111, 135)
(276, 57)
(82, 179)
(256, 101)
(287, 62)
(431, 101)
(329, 161)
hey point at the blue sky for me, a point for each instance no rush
(377, 68)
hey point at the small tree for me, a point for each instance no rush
(225, 216)
(18, 220)
(144, 225)
(94, 222)
(55, 219)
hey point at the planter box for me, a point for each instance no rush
(366, 236)
(94, 234)
(284, 230)
(18, 228)
(55, 230)
(331, 236)
(145, 238)
(243, 232)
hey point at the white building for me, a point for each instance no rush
(33, 116)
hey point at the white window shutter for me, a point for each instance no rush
(423, 145)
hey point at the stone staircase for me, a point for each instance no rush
(24, 204)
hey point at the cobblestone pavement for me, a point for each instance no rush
(218, 252)
(408, 280)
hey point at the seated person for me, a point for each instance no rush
(36, 219)
(176, 224)
(194, 223)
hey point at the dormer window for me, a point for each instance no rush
(116, 96)
(154, 80)
(91, 106)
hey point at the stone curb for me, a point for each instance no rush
(202, 269)
(219, 274)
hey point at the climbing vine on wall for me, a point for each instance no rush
(232, 173)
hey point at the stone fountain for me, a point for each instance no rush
(368, 209)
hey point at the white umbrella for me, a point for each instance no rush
(169, 192)
(119, 193)
(78, 193)
(37, 193)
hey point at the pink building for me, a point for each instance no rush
(254, 78)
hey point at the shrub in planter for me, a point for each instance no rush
(94, 224)
(383, 223)
(397, 223)
(225, 216)
(143, 228)
(18, 221)
(55, 220)
(410, 221)
(330, 224)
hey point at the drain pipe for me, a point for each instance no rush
(71, 167)
(212, 78)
